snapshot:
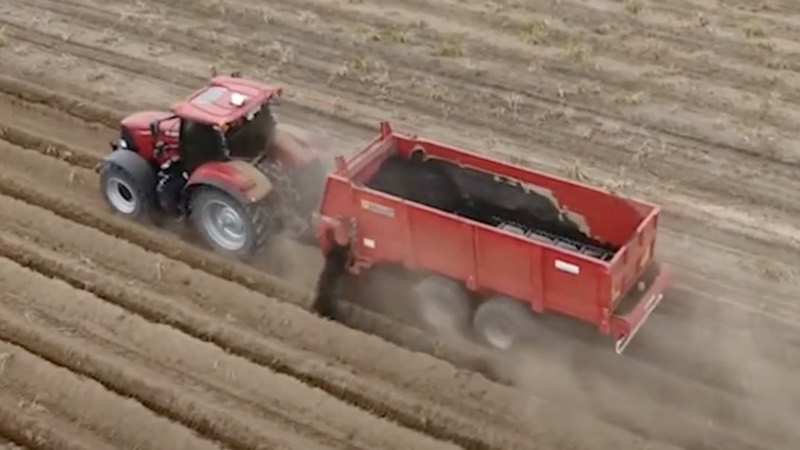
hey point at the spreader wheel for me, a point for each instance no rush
(124, 194)
(228, 226)
(502, 322)
(442, 304)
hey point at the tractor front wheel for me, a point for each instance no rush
(124, 194)
(228, 226)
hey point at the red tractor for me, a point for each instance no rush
(221, 161)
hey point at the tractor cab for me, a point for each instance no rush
(228, 118)
(216, 158)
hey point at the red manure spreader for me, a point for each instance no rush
(490, 244)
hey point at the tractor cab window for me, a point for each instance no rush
(199, 144)
(252, 134)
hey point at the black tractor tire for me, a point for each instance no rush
(443, 305)
(126, 194)
(211, 209)
(502, 322)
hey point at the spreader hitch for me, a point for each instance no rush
(328, 282)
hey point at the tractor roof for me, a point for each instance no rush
(224, 100)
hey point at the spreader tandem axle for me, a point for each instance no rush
(489, 244)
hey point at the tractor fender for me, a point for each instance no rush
(136, 166)
(239, 179)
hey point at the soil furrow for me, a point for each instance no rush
(232, 384)
(36, 431)
(7, 444)
(510, 48)
(87, 111)
(140, 67)
(83, 404)
(156, 393)
(626, 137)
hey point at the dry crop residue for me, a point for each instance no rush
(688, 103)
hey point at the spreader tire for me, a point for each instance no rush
(442, 304)
(228, 226)
(503, 322)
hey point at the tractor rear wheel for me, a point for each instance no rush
(443, 305)
(124, 194)
(502, 322)
(228, 226)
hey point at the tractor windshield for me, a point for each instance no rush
(250, 136)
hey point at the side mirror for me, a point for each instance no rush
(154, 129)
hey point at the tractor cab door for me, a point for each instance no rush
(200, 143)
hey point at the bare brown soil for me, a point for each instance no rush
(689, 104)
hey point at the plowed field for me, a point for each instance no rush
(117, 336)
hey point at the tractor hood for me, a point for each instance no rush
(136, 131)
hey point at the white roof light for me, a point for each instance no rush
(238, 99)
